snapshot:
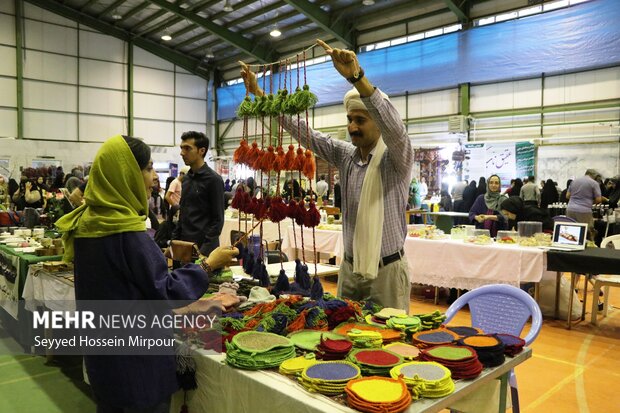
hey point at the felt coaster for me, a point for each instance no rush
(387, 334)
(258, 341)
(388, 312)
(411, 324)
(513, 345)
(378, 395)
(310, 339)
(375, 357)
(365, 338)
(450, 353)
(464, 331)
(433, 337)
(331, 372)
(425, 379)
(406, 351)
(296, 365)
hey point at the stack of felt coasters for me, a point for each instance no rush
(378, 395)
(381, 317)
(406, 351)
(408, 324)
(464, 331)
(365, 338)
(255, 350)
(388, 335)
(309, 339)
(461, 360)
(489, 348)
(425, 378)
(294, 366)
(329, 349)
(374, 362)
(431, 338)
(432, 320)
(328, 377)
(512, 344)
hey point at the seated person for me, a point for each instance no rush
(484, 213)
(516, 210)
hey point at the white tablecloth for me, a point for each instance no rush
(50, 290)
(270, 229)
(328, 242)
(447, 263)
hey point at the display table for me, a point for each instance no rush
(270, 229)
(52, 290)
(224, 389)
(327, 242)
(457, 264)
(323, 270)
(14, 269)
(589, 261)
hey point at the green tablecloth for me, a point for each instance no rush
(11, 290)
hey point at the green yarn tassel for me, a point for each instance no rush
(245, 108)
(304, 99)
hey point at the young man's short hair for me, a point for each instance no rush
(200, 139)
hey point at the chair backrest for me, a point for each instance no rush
(500, 308)
(273, 256)
(563, 218)
(612, 241)
(235, 235)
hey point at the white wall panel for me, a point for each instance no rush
(153, 81)
(179, 69)
(103, 102)
(7, 29)
(102, 74)
(7, 61)
(100, 46)
(506, 95)
(583, 87)
(329, 116)
(52, 67)
(51, 38)
(180, 127)
(8, 92)
(50, 125)
(143, 58)
(443, 102)
(100, 128)
(154, 132)
(7, 7)
(153, 106)
(36, 13)
(190, 86)
(191, 110)
(8, 124)
(41, 95)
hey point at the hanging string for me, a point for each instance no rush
(260, 65)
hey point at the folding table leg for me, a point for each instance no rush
(570, 299)
(558, 279)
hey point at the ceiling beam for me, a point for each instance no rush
(110, 8)
(343, 31)
(459, 11)
(247, 45)
(186, 62)
(135, 10)
(170, 21)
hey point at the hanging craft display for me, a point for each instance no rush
(264, 153)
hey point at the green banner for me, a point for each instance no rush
(526, 159)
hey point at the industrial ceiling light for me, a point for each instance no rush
(166, 37)
(209, 54)
(116, 15)
(228, 7)
(275, 32)
(368, 2)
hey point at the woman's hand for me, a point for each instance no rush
(249, 79)
(28, 185)
(480, 218)
(221, 257)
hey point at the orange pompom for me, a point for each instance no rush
(290, 158)
(259, 159)
(309, 165)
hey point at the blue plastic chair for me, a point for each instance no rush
(501, 308)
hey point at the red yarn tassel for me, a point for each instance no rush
(290, 158)
(309, 165)
(300, 160)
(252, 206)
(312, 217)
(269, 157)
(261, 209)
(279, 164)
(292, 209)
(277, 210)
(300, 217)
(246, 201)
(252, 155)
(241, 152)
(238, 200)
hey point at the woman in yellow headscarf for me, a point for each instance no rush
(115, 259)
